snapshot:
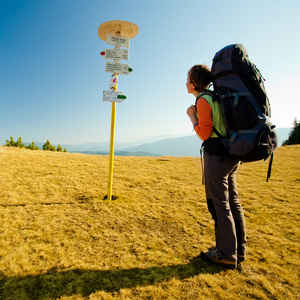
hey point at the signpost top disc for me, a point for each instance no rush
(117, 27)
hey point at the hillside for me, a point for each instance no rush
(60, 240)
(186, 146)
(180, 146)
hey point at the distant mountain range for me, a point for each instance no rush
(180, 146)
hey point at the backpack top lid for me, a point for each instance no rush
(232, 58)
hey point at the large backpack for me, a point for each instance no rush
(239, 88)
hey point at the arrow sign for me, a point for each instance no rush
(113, 96)
(117, 68)
(118, 40)
(115, 54)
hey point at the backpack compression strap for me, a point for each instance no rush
(270, 167)
(236, 96)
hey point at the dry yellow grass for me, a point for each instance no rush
(60, 240)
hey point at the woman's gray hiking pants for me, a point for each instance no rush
(224, 205)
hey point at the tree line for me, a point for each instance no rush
(47, 146)
(294, 136)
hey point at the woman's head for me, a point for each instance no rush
(200, 77)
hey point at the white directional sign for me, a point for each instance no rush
(117, 68)
(115, 54)
(118, 40)
(113, 96)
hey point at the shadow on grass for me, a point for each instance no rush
(55, 284)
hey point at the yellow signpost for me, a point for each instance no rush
(116, 33)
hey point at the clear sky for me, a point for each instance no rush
(52, 75)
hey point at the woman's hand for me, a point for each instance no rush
(191, 111)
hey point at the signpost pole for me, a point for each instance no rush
(112, 145)
(116, 33)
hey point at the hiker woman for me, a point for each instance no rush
(219, 173)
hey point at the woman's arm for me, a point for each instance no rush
(204, 124)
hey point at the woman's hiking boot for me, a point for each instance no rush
(213, 257)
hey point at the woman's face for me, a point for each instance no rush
(189, 86)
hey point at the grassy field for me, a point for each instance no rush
(59, 238)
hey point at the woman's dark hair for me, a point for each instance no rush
(200, 77)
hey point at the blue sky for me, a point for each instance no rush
(52, 75)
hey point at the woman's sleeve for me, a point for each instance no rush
(205, 122)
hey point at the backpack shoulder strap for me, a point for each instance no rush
(206, 92)
(217, 133)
